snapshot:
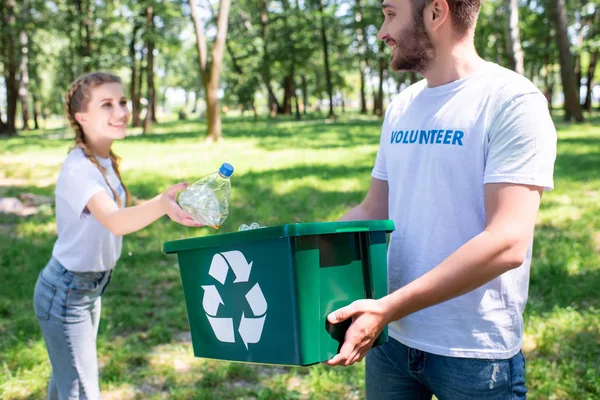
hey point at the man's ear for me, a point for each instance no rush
(436, 14)
(81, 118)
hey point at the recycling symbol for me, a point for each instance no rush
(250, 328)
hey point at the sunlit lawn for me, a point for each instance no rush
(286, 171)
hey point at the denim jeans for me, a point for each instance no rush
(395, 371)
(67, 305)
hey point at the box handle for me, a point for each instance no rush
(352, 229)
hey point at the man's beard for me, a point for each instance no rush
(415, 50)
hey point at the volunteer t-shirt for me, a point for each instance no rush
(439, 147)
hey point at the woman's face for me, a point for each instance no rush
(106, 115)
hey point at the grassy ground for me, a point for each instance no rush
(286, 172)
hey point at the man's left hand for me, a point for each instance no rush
(368, 320)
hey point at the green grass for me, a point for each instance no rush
(286, 171)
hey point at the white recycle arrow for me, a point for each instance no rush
(238, 264)
(211, 300)
(218, 268)
(250, 329)
(223, 328)
(256, 300)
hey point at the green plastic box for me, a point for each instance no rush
(263, 295)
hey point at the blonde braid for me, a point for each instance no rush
(115, 159)
(76, 99)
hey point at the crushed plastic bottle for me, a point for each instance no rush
(244, 227)
(207, 199)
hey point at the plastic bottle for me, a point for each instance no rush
(244, 227)
(207, 199)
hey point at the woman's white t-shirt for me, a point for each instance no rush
(84, 244)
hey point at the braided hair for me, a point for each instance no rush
(76, 100)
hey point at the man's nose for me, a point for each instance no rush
(382, 33)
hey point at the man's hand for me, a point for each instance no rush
(368, 320)
(173, 210)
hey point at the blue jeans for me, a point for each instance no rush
(395, 371)
(67, 305)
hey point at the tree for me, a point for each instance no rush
(594, 48)
(362, 49)
(210, 70)
(326, 58)
(513, 39)
(572, 107)
(10, 58)
(151, 107)
(24, 68)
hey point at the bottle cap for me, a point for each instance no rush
(226, 170)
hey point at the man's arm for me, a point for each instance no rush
(511, 211)
(374, 206)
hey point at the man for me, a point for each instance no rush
(464, 157)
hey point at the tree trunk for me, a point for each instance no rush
(590, 81)
(150, 71)
(140, 83)
(297, 105)
(362, 63)
(12, 97)
(10, 56)
(572, 107)
(326, 60)
(266, 63)
(196, 98)
(24, 68)
(304, 94)
(378, 103)
(133, 92)
(288, 93)
(36, 111)
(513, 39)
(595, 29)
(84, 16)
(290, 86)
(579, 50)
(210, 76)
(549, 71)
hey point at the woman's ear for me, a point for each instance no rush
(81, 118)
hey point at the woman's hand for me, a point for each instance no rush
(173, 210)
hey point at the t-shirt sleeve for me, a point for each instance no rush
(522, 143)
(78, 183)
(379, 169)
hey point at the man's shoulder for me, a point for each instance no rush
(506, 85)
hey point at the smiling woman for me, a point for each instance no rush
(91, 218)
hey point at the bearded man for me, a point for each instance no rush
(464, 157)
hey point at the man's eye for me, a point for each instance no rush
(107, 105)
(123, 103)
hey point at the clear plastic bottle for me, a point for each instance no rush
(207, 199)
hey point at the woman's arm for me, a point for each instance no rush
(121, 221)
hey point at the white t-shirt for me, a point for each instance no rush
(439, 146)
(84, 244)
